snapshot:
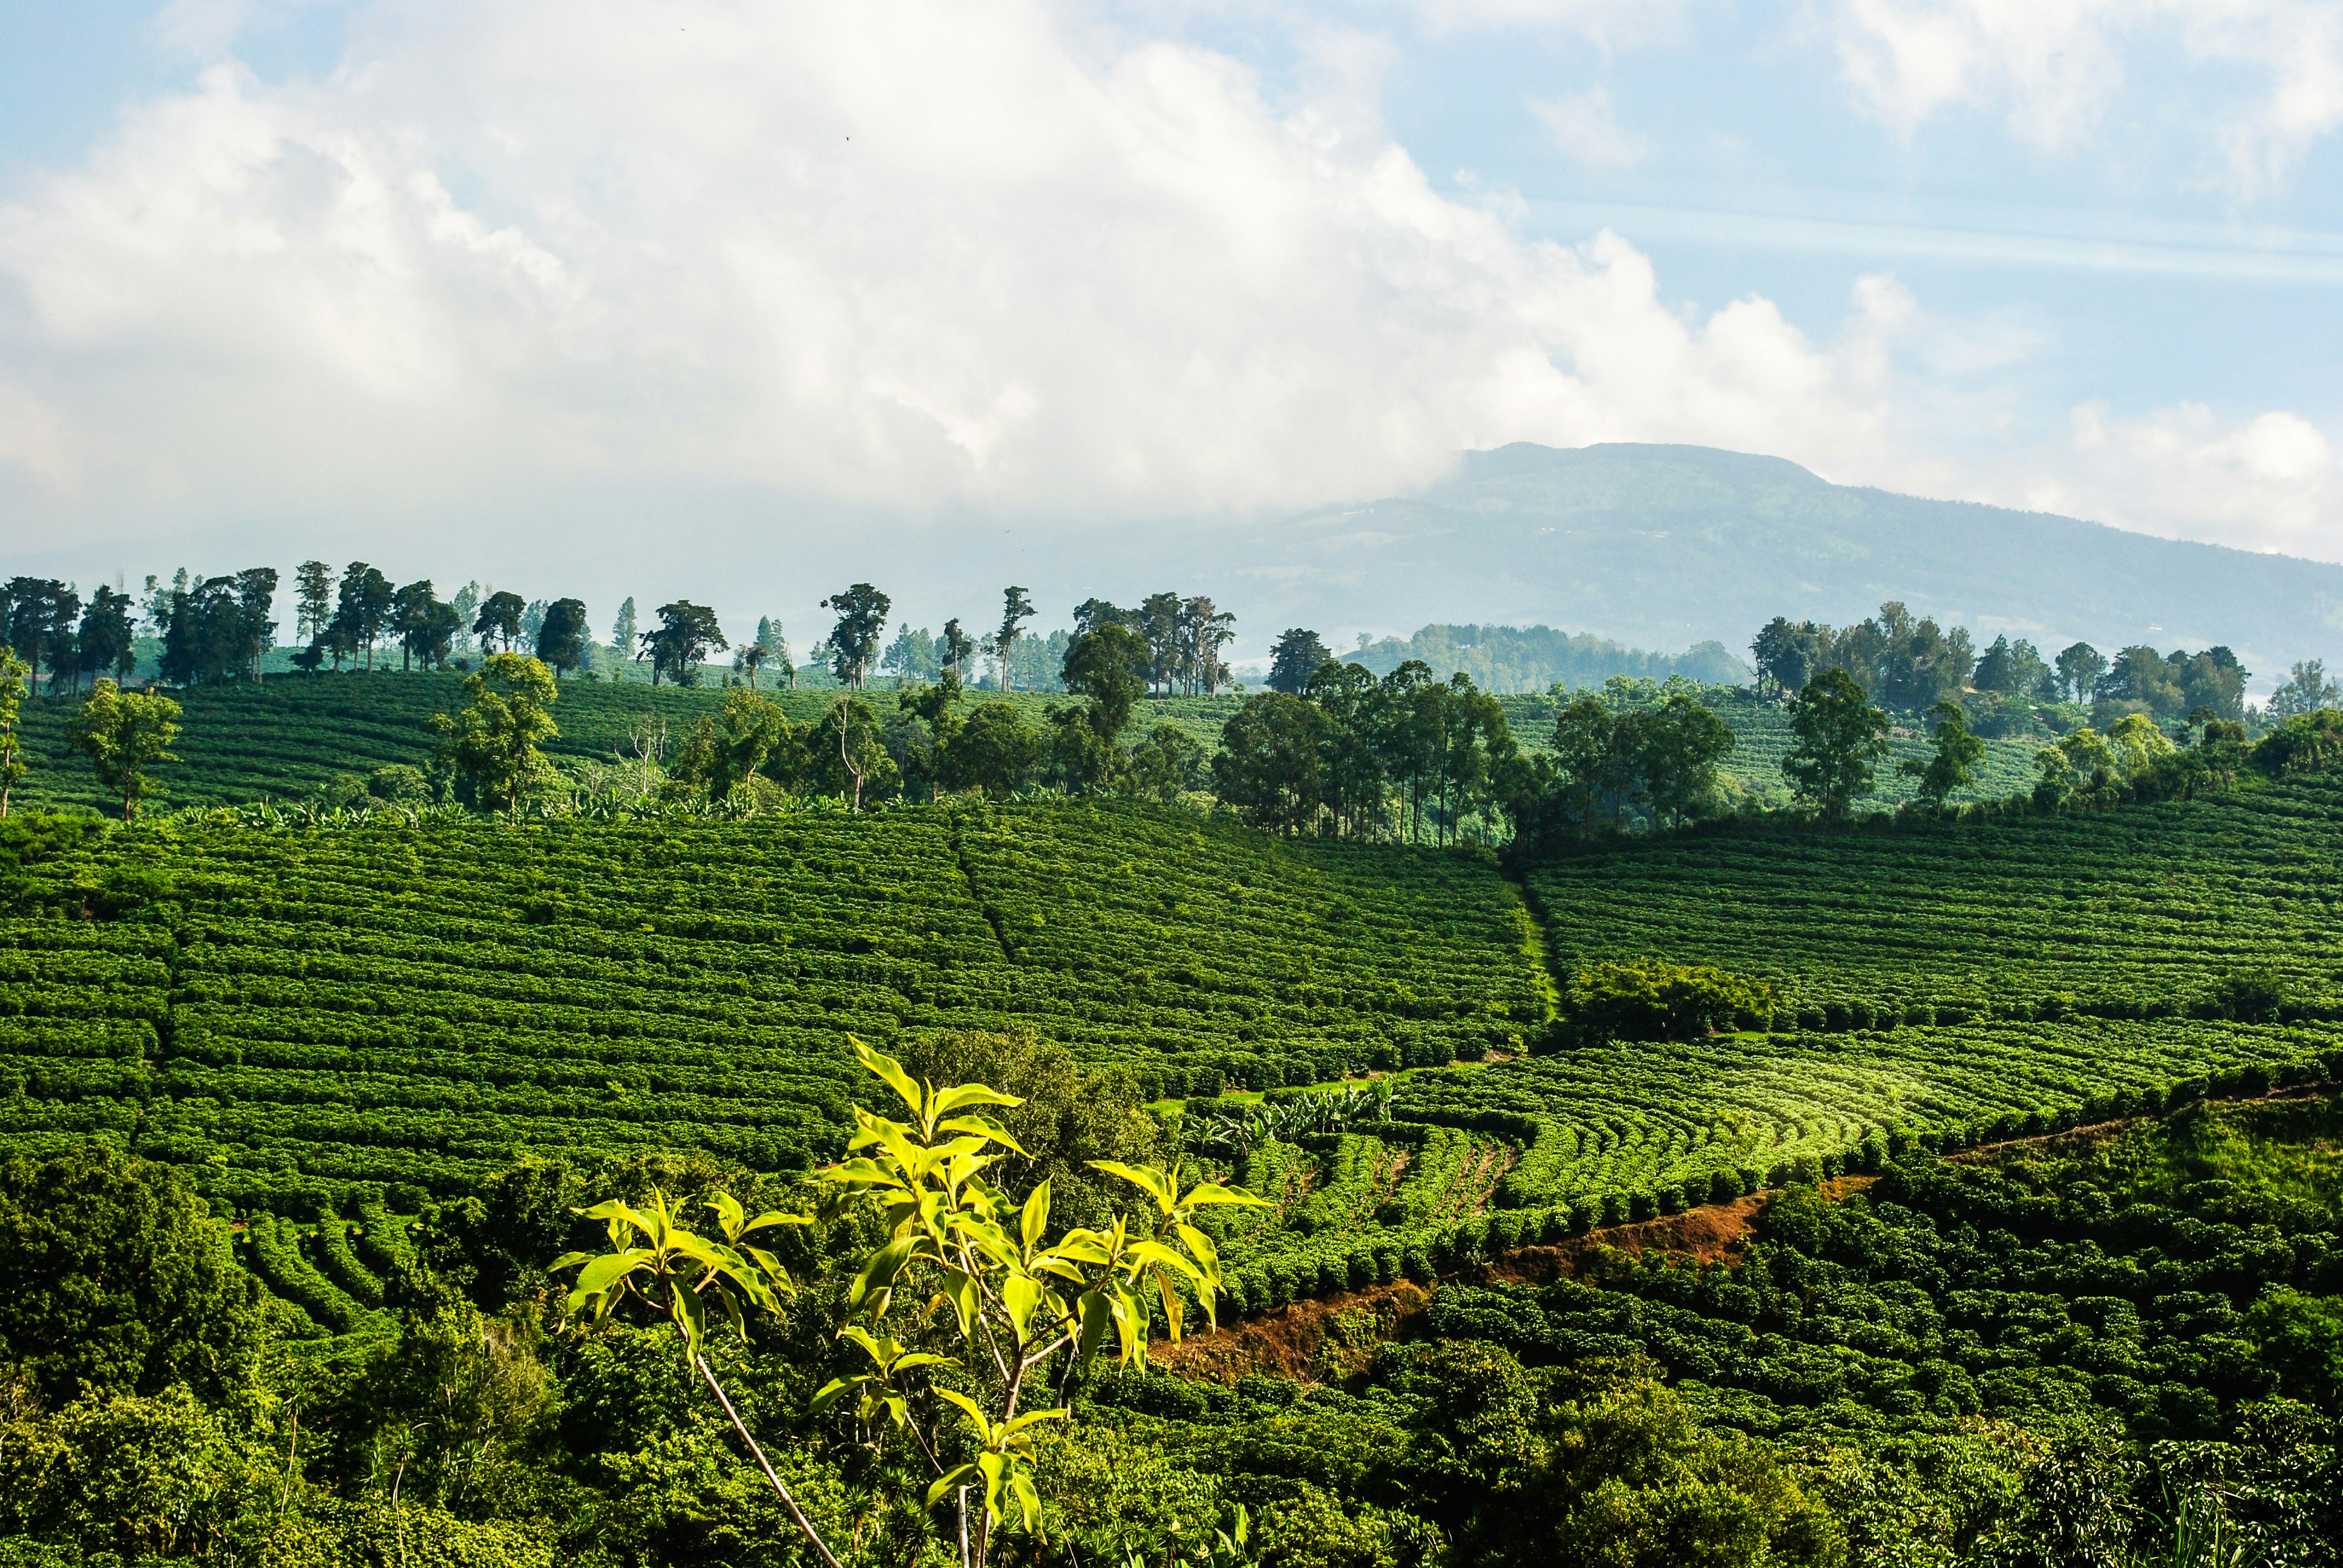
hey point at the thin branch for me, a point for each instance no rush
(762, 1463)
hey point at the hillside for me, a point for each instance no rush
(313, 1015)
(284, 740)
(1664, 547)
(1536, 1295)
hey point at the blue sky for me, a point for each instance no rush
(290, 272)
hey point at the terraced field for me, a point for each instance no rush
(286, 737)
(317, 1020)
(2150, 910)
(325, 1012)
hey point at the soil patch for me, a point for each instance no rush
(1322, 1340)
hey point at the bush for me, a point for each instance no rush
(400, 785)
(1645, 999)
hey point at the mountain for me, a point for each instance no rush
(1663, 547)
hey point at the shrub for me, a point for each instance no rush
(1645, 999)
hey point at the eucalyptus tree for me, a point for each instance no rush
(684, 635)
(1016, 610)
(854, 640)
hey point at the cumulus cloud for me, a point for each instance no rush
(2270, 482)
(899, 254)
(2056, 65)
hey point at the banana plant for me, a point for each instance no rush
(1020, 1302)
(684, 1276)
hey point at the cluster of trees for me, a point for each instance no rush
(1418, 760)
(1909, 664)
(1407, 756)
(49, 628)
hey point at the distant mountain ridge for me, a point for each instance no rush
(1668, 547)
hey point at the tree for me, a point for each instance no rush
(913, 656)
(467, 606)
(2016, 669)
(1016, 610)
(363, 609)
(853, 729)
(1836, 740)
(255, 596)
(2080, 667)
(684, 634)
(1269, 766)
(1165, 765)
(1648, 999)
(1026, 1310)
(118, 1281)
(723, 751)
(499, 621)
(1294, 660)
(410, 620)
(854, 640)
(105, 642)
(1957, 753)
(680, 1276)
(313, 586)
(562, 635)
(955, 649)
(2306, 690)
(993, 750)
(624, 639)
(1157, 623)
(493, 744)
(13, 674)
(1204, 630)
(1679, 744)
(2079, 763)
(41, 616)
(1110, 667)
(750, 659)
(125, 733)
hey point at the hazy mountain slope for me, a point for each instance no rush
(1663, 546)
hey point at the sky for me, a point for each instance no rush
(733, 299)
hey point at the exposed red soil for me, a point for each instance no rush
(1312, 1340)
(1307, 1341)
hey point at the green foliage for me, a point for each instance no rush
(493, 744)
(114, 1279)
(1955, 763)
(1839, 738)
(1021, 1302)
(2309, 742)
(14, 673)
(1648, 999)
(123, 734)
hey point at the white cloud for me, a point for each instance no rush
(2056, 65)
(2271, 482)
(1609, 23)
(1587, 129)
(906, 255)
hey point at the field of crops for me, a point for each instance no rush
(317, 1020)
(289, 735)
(2138, 912)
(338, 1010)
